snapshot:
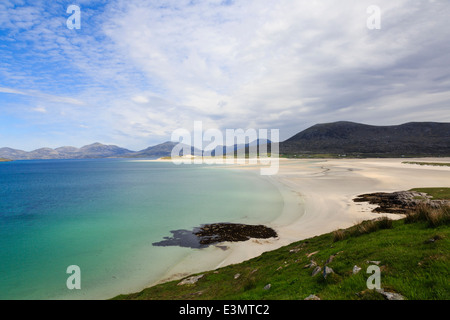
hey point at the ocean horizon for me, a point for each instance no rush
(104, 216)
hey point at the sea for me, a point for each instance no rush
(104, 216)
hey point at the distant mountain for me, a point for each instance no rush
(93, 151)
(338, 138)
(96, 150)
(226, 150)
(15, 154)
(161, 150)
(349, 138)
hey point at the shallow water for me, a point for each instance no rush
(104, 215)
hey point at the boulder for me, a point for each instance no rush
(330, 259)
(356, 269)
(316, 271)
(311, 254)
(326, 271)
(390, 295)
(311, 264)
(190, 280)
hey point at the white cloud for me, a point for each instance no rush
(45, 96)
(40, 109)
(151, 67)
(140, 99)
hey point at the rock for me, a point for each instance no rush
(294, 250)
(312, 264)
(267, 286)
(312, 297)
(390, 295)
(236, 276)
(213, 234)
(311, 254)
(279, 268)
(399, 202)
(374, 262)
(434, 239)
(316, 271)
(330, 259)
(191, 280)
(356, 269)
(326, 271)
(220, 232)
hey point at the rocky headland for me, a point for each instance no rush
(400, 202)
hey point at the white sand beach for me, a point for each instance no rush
(318, 198)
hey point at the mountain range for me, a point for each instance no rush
(343, 138)
(349, 138)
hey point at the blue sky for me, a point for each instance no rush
(138, 70)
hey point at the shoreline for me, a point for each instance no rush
(318, 198)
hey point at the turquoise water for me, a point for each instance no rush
(104, 215)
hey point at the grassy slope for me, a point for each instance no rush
(410, 265)
(437, 193)
(4, 160)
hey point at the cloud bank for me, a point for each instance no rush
(137, 70)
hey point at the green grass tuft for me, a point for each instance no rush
(436, 193)
(433, 216)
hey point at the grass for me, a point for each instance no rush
(434, 217)
(442, 164)
(411, 264)
(4, 160)
(364, 227)
(351, 155)
(436, 193)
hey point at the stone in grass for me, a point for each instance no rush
(312, 297)
(390, 295)
(308, 255)
(267, 286)
(237, 275)
(310, 265)
(316, 271)
(330, 259)
(190, 280)
(356, 269)
(326, 271)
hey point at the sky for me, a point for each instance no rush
(136, 71)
